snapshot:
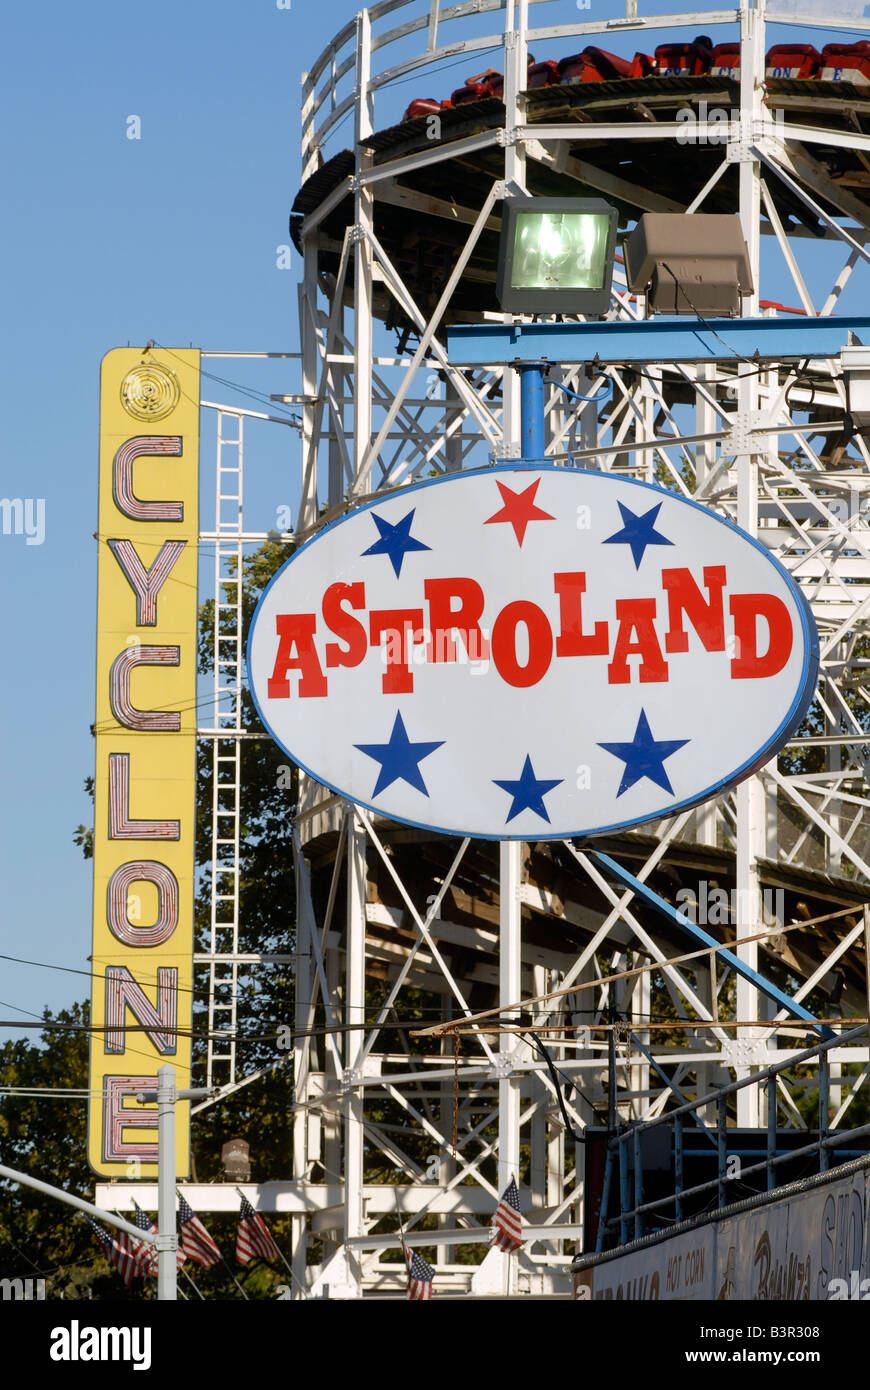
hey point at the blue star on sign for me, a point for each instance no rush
(645, 756)
(528, 792)
(396, 540)
(638, 532)
(399, 758)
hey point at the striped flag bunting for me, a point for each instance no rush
(195, 1241)
(420, 1276)
(253, 1238)
(124, 1252)
(507, 1222)
(149, 1257)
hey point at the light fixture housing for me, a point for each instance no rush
(556, 255)
(689, 263)
(236, 1161)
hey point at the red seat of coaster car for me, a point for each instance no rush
(472, 91)
(593, 65)
(684, 59)
(544, 74)
(609, 64)
(726, 60)
(793, 60)
(421, 106)
(490, 84)
(846, 62)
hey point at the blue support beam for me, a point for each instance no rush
(666, 909)
(681, 339)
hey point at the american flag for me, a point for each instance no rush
(420, 1276)
(507, 1222)
(149, 1254)
(124, 1252)
(253, 1237)
(195, 1241)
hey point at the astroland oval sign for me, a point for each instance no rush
(531, 652)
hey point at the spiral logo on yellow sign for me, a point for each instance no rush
(150, 391)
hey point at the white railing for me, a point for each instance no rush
(340, 59)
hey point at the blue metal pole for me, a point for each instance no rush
(605, 1200)
(722, 1131)
(624, 1198)
(678, 1165)
(638, 1185)
(771, 1129)
(767, 987)
(532, 410)
(824, 1095)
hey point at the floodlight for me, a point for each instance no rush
(689, 263)
(556, 255)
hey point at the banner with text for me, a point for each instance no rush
(806, 1246)
(144, 828)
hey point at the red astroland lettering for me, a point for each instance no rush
(456, 605)
(746, 609)
(705, 615)
(572, 641)
(444, 618)
(504, 644)
(296, 651)
(403, 627)
(636, 616)
(347, 628)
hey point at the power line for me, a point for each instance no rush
(260, 397)
(284, 1033)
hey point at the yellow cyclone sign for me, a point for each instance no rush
(145, 781)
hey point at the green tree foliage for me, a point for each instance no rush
(47, 1138)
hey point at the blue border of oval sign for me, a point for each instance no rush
(527, 652)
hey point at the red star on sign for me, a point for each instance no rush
(519, 509)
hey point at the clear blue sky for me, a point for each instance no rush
(108, 240)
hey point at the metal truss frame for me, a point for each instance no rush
(225, 734)
(743, 446)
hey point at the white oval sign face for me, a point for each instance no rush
(530, 653)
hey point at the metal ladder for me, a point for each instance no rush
(226, 755)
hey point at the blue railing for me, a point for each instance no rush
(634, 1211)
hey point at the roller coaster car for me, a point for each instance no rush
(726, 60)
(489, 84)
(642, 65)
(684, 59)
(837, 62)
(596, 65)
(793, 60)
(796, 60)
(846, 62)
(544, 74)
(472, 91)
(423, 106)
